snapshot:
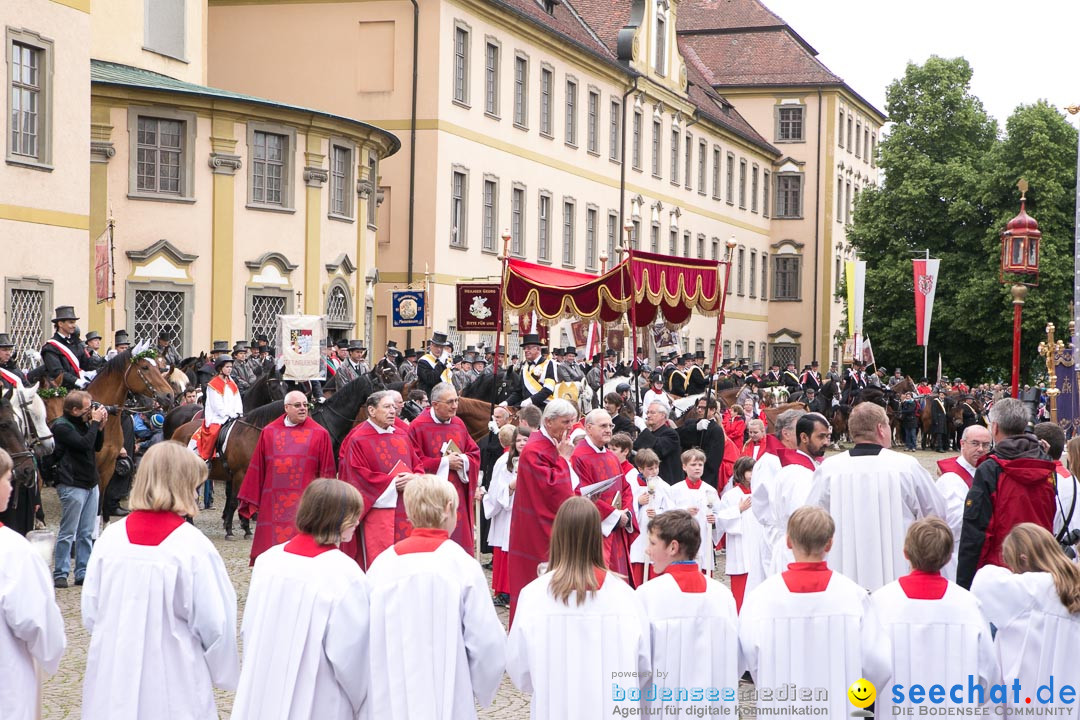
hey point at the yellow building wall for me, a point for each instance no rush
(119, 36)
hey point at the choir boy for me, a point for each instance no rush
(702, 502)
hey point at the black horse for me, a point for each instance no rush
(484, 387)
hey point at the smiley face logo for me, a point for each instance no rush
(862, 693)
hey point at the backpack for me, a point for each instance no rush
(49, 466)
(1026, 492)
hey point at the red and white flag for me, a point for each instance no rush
(926, 274)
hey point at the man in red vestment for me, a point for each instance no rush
(370, 458)
(431, 432)
(543, 483)
(292, 451)
(594, 463)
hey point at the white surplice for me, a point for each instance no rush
(814, 640)
(436, 642)
(31, 628)
(305, 638)
(694, 638)
(1066, 496)
(162, 620)
(935, 642)
(499, 503)
(568, 655)
(744, 538)
(873, 499)
(790, 488)
(658, 503)
(761, 489)
(707, 502)
(954, 490)
(1036, 636)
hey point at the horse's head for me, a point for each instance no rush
(144, 378)
(12, 439)
(31, 409)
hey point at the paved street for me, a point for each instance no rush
(62, 694)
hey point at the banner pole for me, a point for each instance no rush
(723, 304)
(499, 321)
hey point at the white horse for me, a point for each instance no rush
(30, 415)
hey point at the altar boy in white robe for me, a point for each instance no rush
(306, 618)
(692, 619)
(938, 632)
(744, 532)
(437, 646)
(699, 498)
(31, 628)
(158, 603)
(792, 485)
(766, 467)
(811, 626)
(1035, 605)
(873, 494)
(651, 497)
(580, 639)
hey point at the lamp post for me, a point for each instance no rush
(1019, 258)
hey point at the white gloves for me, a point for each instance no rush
(493, 426)
(81, 383)
(703, 424)
(444, 357)
(639, 422)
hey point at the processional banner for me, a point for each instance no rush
(300, 346)
(1068, 399)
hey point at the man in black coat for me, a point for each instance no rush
(701, 430)
(79, 435)
(939, 419)
(64, 354)
(662, 439)
(490, 451)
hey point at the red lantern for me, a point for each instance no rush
(1020, 245)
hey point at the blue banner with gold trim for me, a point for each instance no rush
(408, 307)
(1068, 384)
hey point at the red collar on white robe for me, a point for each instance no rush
(151, 527)
(807, 577)
(688, 577)
(601, 575)
(921, 585)
(306, 546)
(795, 457)
(421, 540)
(694, 484)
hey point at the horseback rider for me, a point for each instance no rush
(696, 380)
(167, 351)
(10, 374)
(679, 379)
(358, 358)
(811, 379)
(387, 367)
(790, 379)
(93, 345)
(539, 375)
(63, 353)
(407, 369)
(207, 372)
(243, 374)
(223, 404)
(435, 366)
(120, 344)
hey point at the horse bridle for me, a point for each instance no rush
(352, 420)
(30, 431)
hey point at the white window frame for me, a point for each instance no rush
(781, 209)
(635, 150)
(543, 227)
(459, 207)
(518, 199)
(43, 50)
(792, 136)
(592, 217)
(615, 131)
(547, 99)
(346, 181)
(288, 170)
(592, 129)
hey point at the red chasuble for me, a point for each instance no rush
(543, 483)
(367, 457)
(953, 465)
(593, 467)
(428, 437)
(285, 461)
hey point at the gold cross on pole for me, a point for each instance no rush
(1049, 350)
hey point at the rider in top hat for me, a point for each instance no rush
(696, 381)
(243, 374)
(10, 374)
(358, 358)
(167, 351)
(207, 372)
(790, 378)
(407, 368)
(63, 353)
(538, 375)
(93, 346)
(121, 342)
(387, 367)
(811, 379)
(223, 403)
(435, 365)
(678, 379)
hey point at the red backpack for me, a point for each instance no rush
(1025, 493)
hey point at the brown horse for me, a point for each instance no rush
(338, 415)
(121, 375)
(54, 402)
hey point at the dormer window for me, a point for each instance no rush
(549, 6)
(660, 60)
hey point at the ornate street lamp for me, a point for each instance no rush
(1019, 259)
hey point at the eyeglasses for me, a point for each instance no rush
(297, 405)
(455, 401)
(976, 443)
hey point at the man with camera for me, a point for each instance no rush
(79, 434)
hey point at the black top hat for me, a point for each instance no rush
(439, 338)
(120, 337)
(391, 344)
(896, 371)
(356, 345)
(240, 348)
(790, 363)
(410, 353)
(93, 335)
(241, 344)
(609, 353)
(571, 350)
(545, 350)
(220, 346)
(530, 339)
(757, 366)
(5, 341)
(221, 360)
(458, 358)
(342, 344)
(686, 357)
(65, 312)
(470, 349)
(699, 354)
(597, 358)
(814, 364)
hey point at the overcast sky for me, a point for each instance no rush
(1020, 51)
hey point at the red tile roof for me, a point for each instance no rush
(725, 14)
(758, 57)
(562, 21)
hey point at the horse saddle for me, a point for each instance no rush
(222, 440)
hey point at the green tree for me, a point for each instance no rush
(949, 186)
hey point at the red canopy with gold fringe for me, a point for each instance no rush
(673, 286)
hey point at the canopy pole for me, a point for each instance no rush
(633, 329)
(499, 322)
(723, 304)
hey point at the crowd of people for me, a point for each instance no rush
(368, 599)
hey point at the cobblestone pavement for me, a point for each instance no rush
(62, 693)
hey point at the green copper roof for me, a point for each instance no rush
(108, 73)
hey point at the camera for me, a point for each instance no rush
(1068, 542)
(110, 409)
